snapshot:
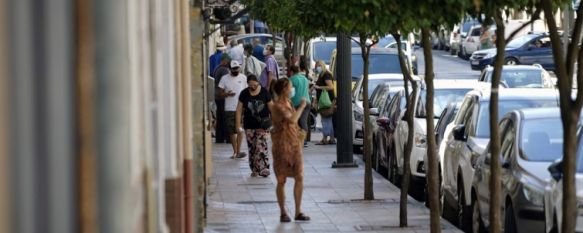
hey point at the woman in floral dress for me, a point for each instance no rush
(287, 148)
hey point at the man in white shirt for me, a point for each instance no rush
(236, 51)
(230, 87)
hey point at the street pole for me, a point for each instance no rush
(344, 104)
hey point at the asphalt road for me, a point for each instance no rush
(447, 66)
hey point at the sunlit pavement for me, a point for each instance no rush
(332, 198)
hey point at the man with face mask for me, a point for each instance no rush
(230, 87)
(271, 72)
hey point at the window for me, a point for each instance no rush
(378, 64)
(323, 50)
(465, 107)
(475, 32)
(441, 98)
(507, 138)
(513, 78)
(542, 139)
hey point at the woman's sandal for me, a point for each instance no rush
(302, 217)
(322, 143)
(284, 218)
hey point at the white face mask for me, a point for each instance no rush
(265, 52)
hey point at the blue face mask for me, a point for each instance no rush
(318, 69)
(292, 93)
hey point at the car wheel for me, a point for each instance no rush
(464, 217)
(555, 228)
(510, 61)
(452, 51)
(477, 224)
(447, 211)
(396, 178)
(509, 219)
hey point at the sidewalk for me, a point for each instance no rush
(332, 198)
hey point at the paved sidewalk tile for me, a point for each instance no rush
(239, 203)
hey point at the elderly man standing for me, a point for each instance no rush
(271, 72)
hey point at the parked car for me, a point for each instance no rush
(531, 139)
(553, 197)
(321, 48)
(520, 76)
(459, 34)
(471, 43)
(374, 80)
(406, 46)
(470, 136)
(527, 50)
(446, 91)
(383, 139)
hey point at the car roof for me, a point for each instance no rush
(516, 93)
(241, 36)
(455, 84)
(516, 67)
(356, 50)
(390, 76)
(538, 113)
(324, 39)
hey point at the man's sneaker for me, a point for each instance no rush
(241, 155)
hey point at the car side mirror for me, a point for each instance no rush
(374, 112)
(459, 133)
(556, 170)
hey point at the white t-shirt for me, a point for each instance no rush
(235, 84)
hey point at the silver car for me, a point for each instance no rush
(531, 139)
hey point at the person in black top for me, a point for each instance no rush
(324, 82)
(254, 106)
(221, 134)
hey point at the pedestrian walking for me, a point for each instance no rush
(271, 72)
(231, 86)
(301, 86)
(287, 148)
(258, 50)
(221, 134)
(326, 102)
(253, 108)
(215, 59)
(251, 65)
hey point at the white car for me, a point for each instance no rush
(321, 48)
(553, 197)
(446, 91)
(357, 103)
(471, 43)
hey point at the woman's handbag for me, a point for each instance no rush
(324, 100)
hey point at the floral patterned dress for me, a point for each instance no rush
(287, 140)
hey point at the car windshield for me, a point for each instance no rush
(385, 41)
(442, 97)
(505, 106)
(323, 50)
(519, 78)
(542, 139)
(378, 64)
(520, 41)
(467, 26)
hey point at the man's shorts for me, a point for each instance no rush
(231, 125)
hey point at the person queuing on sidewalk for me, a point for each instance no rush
(287, 138)
(254, 104)
(271, 72)
(251, 65)
(258, 50)
(221, 134)
(231, 86)
(323, 86)
(236, 51)
(215, 59)
(301, 86)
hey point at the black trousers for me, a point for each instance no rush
(221, 135)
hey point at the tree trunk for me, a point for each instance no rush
(495, 184)
(368, 183)
(570, 110)
(432, 171)
(409, 145)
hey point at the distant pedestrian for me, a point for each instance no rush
(221, 134)
(251, 65)
(253, 108)
(302, 92)
(287, 148)
(325, 87)
(236, 51)
(260, 27)
(215, 59)
(271, 72)
(231, 86)
(258, 50)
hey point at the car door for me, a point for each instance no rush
(452, 146)
(546, 54)
(484, 170)
(532, 54)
